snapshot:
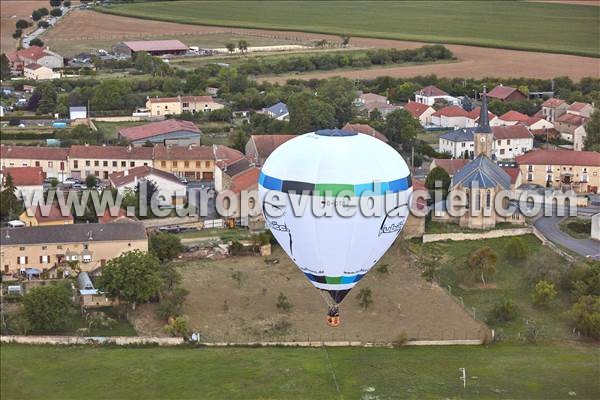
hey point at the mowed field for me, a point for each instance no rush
(245, 310)
(10, 12)
(501, 24)
(87, 30)
(501, 371)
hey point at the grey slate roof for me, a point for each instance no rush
(278, 110)
(460, 135)
(483, 173)
(484, 122)
(76, 233)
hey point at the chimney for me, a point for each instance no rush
(90, 236)
(126, 172)
(103, 144)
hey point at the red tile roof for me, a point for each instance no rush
(475, 113)
(121, 178)
(378, 105)
(420, 202)
(511, 132)
(431, 91)
(532, 120)
(226, 155)
(560, 157)
(266, 144)
(451, 166)
(572, 119)
(552, 102)
(54, 214)
(551, 132)
(366, 130)
(578, 106)
(25, 176)
(162, 152)
(453, 111)
(416, 109)
(30, 53)
(157, 128)
(156, 45)
(33, 153)
(373, 98)
(514, 116)
(187, 99)
(113, 214)
(245, 180)
(502, 92)
(111, 152)
(513, 172)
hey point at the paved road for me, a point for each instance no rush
(549, 227)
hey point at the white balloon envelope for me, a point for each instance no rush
(323, 168)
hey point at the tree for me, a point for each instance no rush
(592, 128)
(479, 265)
(55, 3)
(22, 24)
(47, 307)
(504, 310)
(283, 304)
(516, 249)
(585, 315)
(35, 15)
(345, 40)
(67, 3)
(43, 24)
(165, 246)
(4, 67)
(365, 298)
(230, 47)
(18, 33)
(56, 12)
(134, 277)
(47, 98)
(341, 94)
(442, 178)
(178, 326)
(243, 46)
(37, 42)
(401, 128)
(543, 293)
(91, 181)
(43, 11)
(309, 113)
(10, 203)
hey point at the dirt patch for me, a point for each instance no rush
(224, 308)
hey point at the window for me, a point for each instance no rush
(75, 164)
(530, 177)
(499, 142)
(105, 163)
(96, 163)
(186, 164)
(21, 260)
(163, 163)
(44, 247)
(50, 164)
(174, 163)
(530, 168)
(88, 163)
(468, 199)
(59, 247)
(549, 168)
(146, 164)
(37, 163)
(488, 199)
(508, 141)
(198, 164)
(207, 164)
(114, 163)
(501, 151)
(186, 105)
(123, 163)
(132, 163)
(477, 200)
(86, 246)
(87, 258)
(44, 259)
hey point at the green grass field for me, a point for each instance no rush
(561, 28)
(499, 371)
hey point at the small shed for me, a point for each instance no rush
(84, 282)
(77, 112)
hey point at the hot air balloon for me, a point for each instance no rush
(339, 168)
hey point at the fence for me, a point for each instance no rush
(438, 237)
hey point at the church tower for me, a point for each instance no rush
(483, 137)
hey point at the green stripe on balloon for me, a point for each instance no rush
(334, 188)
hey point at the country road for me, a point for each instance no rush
(549, 227)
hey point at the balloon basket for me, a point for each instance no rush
(334, 321)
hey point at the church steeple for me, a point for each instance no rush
(484, 121)
(483, 137)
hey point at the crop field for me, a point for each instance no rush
(516, 371)
(515, 25)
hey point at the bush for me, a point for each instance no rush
(585, 315)
(236, 248)
(544, 293)
(283, 304)
(178, 326)
(47, 307)
(365, 298)
(504, 310)
(56, 12)
(546, 266)
(22, 24)
(516, 249)
(37, 42)
(18, 33)
(400, 340)
(43, 24)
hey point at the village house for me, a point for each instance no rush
(457, 117)
(537, 123)
(365, 130)
(581, 109)
(259, 147)
(510, 118)
(430, 95)
(167, 132)
(28, 181)
(450, 165)
(506, 94)
(420, 112)
(33, 55)
(193, 163)
(101, 161)
(171, 189)
(49, 247)
(52, 160)
(562, 169)
(37, 72)
(246, 180)
(161, 106)
(46, 216)
(278, 111)
(458, 143)
(572, 129)
(77, 112)
(511, 141)
(366, 98)
(553, 108)
(383, 108)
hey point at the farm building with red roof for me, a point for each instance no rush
(506, 93)
(152, 47)
(167, 132)
(259, 147)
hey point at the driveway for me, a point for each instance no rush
(549, 227)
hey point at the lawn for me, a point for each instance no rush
(109, 129)
(576, 227)
(556, 371)
(510, 281)
(514, 25)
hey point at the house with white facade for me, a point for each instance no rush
(170, 188)
(553, 108)
(420, 111)
(28, 181)
(431, 94)
(511, 141)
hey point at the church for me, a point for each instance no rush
(480, 180)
